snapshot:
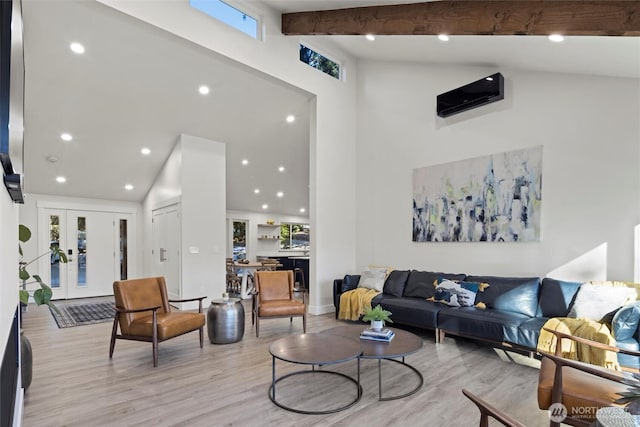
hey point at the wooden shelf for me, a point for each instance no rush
(268, 225)
(268, 237)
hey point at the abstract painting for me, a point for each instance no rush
(495, 198)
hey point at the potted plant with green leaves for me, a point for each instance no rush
(377, 316)
(41, 295)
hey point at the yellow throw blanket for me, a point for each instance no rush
(353, 303)
(582, 328)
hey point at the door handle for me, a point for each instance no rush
(163, 254)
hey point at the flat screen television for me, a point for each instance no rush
(11, 96)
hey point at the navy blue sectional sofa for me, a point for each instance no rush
(516, 308)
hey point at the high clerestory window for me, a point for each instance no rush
(319, 61)
(229, 15)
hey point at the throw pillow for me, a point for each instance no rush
(593, 302)
(394, 285)
(373, 278)
(456, 293)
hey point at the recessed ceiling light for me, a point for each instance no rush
(265, 206)
(302, 210)
(52, 159)
(66, 136)
(256, 191)
(279, 194)
(61, 179)
(77, 48)
(280, 168)
(443, 37)
(370, 37)
(556, 38)
(291, 118)
(245, 162)
(145, 151)
(128, 187)
(204, 90)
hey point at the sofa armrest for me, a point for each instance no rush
(341, 286)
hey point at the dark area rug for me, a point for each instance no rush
(71, 315)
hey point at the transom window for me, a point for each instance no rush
(294, 237)
(319, 61)
(229, 15)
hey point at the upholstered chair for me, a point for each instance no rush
(144, 314)
(274, 297)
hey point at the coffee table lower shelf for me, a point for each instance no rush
(314, 350)
(314, 371)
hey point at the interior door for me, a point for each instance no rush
(166, 247)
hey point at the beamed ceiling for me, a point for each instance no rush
(583, 18)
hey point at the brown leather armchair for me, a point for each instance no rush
(144, 314)
(582, 388)
(274, 298)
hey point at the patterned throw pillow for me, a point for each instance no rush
(456, 294)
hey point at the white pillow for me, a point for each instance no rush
(373, 278)
(594, 301)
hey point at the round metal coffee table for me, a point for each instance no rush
(403, 344)
(315, 349)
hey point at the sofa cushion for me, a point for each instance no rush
(522, 299)
(373, 278)
(494, 325)
(556, 297)
(410, 311)
(594, 301)
(456, 293)
(529, 332)
(350, 282)
(421, 284)
(513, 294)
(395, 283)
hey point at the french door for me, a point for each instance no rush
(97, 248)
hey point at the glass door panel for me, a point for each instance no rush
(81, 250)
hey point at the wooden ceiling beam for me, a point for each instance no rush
(479, 17)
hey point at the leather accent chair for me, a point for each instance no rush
(487, 410)
(274, 298)
(144, 314)
(582, 388)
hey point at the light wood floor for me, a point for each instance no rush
(76, 384)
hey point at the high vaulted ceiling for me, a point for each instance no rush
(137, 86)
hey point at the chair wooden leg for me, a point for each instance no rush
(201, 340)
(257, 326)
(304, 323)
(155, 340)
(114, 330)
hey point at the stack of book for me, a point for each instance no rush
(384, 335)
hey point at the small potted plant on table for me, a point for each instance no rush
(377, 316)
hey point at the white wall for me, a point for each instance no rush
(194, 174)
(203, 217)
(333, 126)
(262, 248)
(588, 127)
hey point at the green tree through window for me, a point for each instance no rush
(320, 62)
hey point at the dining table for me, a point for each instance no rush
(245, 270)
